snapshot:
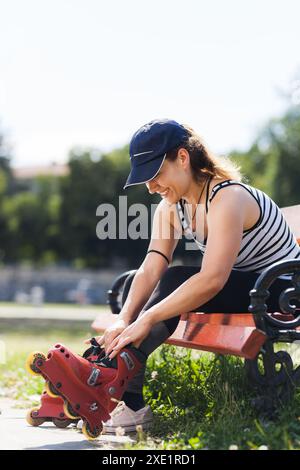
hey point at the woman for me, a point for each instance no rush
(242, 231)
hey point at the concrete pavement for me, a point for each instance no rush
(16, 434)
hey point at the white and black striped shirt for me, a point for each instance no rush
(268, 241)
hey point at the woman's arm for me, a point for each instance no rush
(154, 265)
(143, 284)
(225, 230)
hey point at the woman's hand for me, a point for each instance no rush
(134, 333)
(111, 333)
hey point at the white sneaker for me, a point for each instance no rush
(79, 424)
(126, 420)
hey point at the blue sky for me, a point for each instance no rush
(90, 72)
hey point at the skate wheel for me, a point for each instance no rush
(30, 364)
(91, 434)
(33, 420)
(69, 412)
(51, 390)
(62, 423)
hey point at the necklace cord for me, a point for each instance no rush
(199, 198)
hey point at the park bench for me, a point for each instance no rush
(250, 335)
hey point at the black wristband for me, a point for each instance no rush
(160, 253)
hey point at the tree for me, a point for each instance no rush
(273, 161)
(6, 185)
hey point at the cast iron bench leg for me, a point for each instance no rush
(274, 379)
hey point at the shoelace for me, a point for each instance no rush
(118, 409)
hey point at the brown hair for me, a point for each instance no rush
(204, 162)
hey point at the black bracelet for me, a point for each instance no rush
(160, 253)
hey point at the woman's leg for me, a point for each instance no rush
(234, 298)
(171, 279)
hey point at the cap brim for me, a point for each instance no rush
(145, 172)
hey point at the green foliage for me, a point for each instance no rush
(89, 184)
(272, 164)
(32, 223)
(53, 219)
(202, 401)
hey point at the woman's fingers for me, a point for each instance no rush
(120, 345)
(113, 344)
(109, 339)
(100, 340)
(97, 338)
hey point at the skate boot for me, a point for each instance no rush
(91, 386)
(53, 408)
(50, 410)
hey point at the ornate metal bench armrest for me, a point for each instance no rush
(260, 293)
(113, 299)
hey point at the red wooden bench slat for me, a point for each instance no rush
(244, 341)
(237, 319)
(221, 333)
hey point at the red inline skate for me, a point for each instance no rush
(52, 410)
(90, 386)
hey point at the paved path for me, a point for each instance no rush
(52, 312)
(16, 434)
(11, 315)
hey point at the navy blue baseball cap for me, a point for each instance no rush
(149, 146)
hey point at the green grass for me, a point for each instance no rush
(15, 382)
(200, 401)
(205, 402)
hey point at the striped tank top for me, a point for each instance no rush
(268, 241)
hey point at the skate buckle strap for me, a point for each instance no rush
(127, 359)
(92, 380)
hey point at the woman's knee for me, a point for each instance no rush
(171, 274)
(174, 276)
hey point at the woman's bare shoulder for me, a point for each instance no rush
(215, 181)
(238, 195)
(236, 191)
